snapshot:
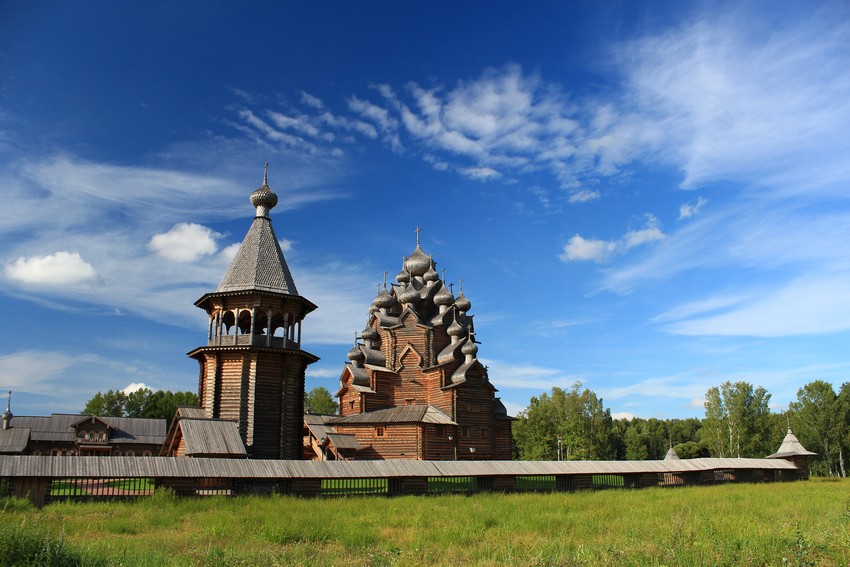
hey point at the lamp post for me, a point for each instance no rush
(472, 452)
(454, 448)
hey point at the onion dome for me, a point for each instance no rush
(418, 263)
(431, 274)
(264, 199)
(384, 300)
(444, 296)
(369, 334)
(356, 355)
(470, 348)
(373, 308)
(462, 303)
(454, 330)
(409, 295)
(403, 276)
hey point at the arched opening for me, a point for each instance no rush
(228, 320)
(261, 324)
(244, 322)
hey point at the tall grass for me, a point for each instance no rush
(802, 523)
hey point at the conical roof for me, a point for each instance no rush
(259, 264)
(671, 455)
(790, 447)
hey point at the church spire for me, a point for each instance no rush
(259, 264)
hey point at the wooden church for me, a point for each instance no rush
(414, 387)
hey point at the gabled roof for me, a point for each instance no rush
(14, 439)
(344, 441)
(401, 414)
(211, 437)
(60, 427)
(790, 447)
(259, 264)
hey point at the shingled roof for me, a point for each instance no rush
(790, 447)
(259, 264)
(401, 414)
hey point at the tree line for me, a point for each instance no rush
(573, 424)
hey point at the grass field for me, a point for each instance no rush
(801, 523)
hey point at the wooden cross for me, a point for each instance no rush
(417, 235)
(266, 174)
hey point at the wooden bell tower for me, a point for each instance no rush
(252, 368)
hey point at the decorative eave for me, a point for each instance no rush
(311, 358)
(306, 305)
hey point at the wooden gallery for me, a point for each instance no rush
(413, 390)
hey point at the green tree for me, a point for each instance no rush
(319, 401)
(819, 419)
(577, 417)
(110, 404)
(737, 420)
(159, 404)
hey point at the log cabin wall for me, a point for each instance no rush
(389, 441)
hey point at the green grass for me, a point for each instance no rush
(800, 523)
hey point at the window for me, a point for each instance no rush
(379, 431)
(351, 404)
(441, 431)
(484, 432)
(408, 401)
(464, 432)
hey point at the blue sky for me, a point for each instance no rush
(650, 197)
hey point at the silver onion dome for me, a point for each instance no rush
(264, 199)
(417, 263)
(444, 296)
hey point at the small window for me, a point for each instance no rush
(464, 432)
(441, 431)
(379, 431)
(483, 432)
(409, 401)
(351, 404)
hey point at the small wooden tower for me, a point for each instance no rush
(252, 368)
(792, 450)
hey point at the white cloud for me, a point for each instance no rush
(135, 387)
(325, 372)
(650, 233)
(61, 268)
(312, 101)
(622, 415)
(481, 173)
(185, 242)
(583, 196)
(579, 248)
(687, 210)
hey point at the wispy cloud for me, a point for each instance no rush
(512, 375)
(687, 210)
